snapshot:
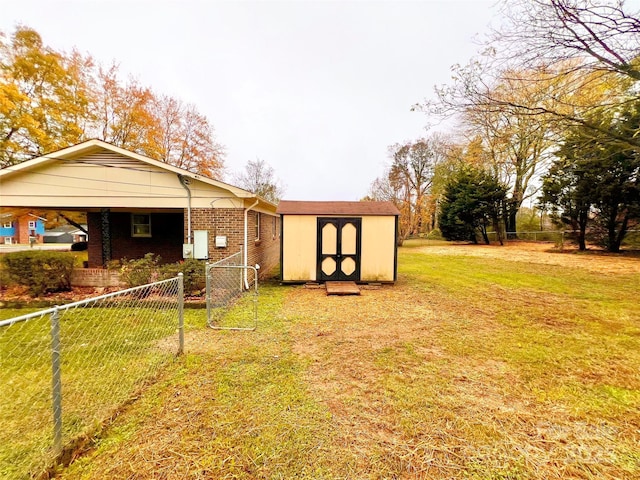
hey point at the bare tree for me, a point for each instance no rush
(185, 138)
(588, 50)
(408, 181)
(260, 178)
(553, 65)
(603, 35)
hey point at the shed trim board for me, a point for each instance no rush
(371, 228)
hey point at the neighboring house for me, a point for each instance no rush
(339, 241)
(136, 205)
(26, 228)
(65, 234)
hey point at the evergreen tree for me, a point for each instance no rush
(597, 181)
(473, 201)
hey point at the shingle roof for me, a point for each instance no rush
(291, 207)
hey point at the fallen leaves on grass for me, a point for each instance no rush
(444, 375)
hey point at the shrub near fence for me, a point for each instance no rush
(67, 369)
(40, 271)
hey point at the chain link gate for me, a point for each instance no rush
(231, 294)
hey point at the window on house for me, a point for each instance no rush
(32, 224)
(140, 225)
(274, 227)
(7, 225)
(8, 240)
(257, 226)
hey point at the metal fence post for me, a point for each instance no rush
(181, 312)
(207, 281)
(56, 380)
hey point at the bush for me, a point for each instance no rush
(79, 246)
(140, 271)
(39, 271)
(148, 269)
(435, 234)
(193, 271)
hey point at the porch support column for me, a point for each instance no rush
(105, 230)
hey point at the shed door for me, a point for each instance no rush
(338, 249)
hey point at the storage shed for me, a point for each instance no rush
(338, 241)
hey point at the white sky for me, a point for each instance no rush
(318, 90)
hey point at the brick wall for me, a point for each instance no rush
(266, 250)
(95, 277)
(169, 232)
(94, 244)
(229, 222)
(166, 237)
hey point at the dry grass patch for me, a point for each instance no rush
(472, 366)
(470, 369)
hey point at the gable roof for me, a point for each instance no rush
(95, 145)
(20, 215)
(292, 207)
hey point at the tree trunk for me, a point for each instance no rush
(73, 223)
(582, 245)
(510, 222)
(485, 237)
(582, 232)
(496, 227)
(615, 239)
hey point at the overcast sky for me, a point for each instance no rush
(318, 90)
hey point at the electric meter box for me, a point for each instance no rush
(221, 241)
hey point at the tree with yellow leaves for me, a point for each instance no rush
(43, 103)
(50, 100)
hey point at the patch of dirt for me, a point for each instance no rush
(349, 342)
(411, 390)
(402, 399)
(593, 260)
(18, 296)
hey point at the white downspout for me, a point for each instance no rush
(246, 241)
(185, 182)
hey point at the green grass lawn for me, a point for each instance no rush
(107, 356)
(473, 367)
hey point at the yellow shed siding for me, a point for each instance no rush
(299, 245)
(378, 249)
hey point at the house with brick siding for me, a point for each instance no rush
(137, 205)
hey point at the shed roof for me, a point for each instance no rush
(292, 207)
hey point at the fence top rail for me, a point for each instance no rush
(557, 231)
(226, 259)
(57, 308)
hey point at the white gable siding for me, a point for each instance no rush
(107, 180)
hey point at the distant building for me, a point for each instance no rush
(26, 228)
(65, 234)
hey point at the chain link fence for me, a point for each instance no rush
(535, 236)
(560, 237)
(68, 369)
(229, 284)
